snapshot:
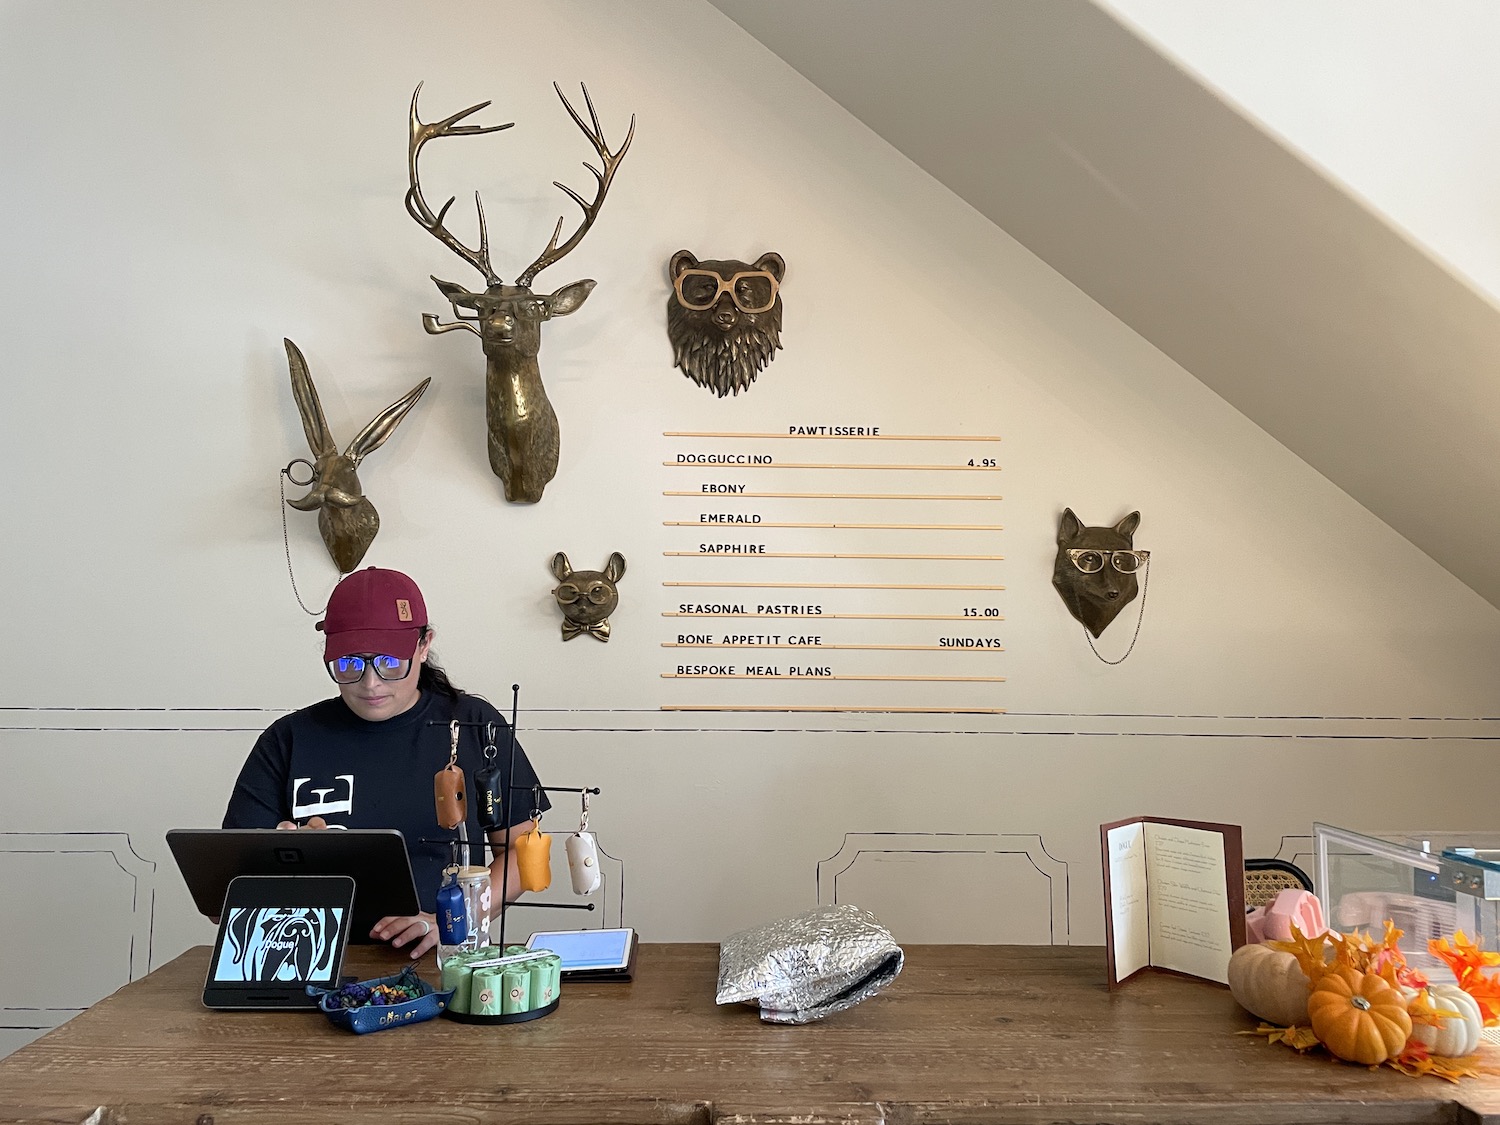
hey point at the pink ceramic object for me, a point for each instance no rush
(1289, 907)
(1255, 925)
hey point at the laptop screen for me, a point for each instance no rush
(374, 857)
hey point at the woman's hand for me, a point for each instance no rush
(418, 930)
(312, 822)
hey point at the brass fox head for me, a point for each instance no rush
(1096, 567)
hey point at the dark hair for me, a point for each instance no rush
(431, 677)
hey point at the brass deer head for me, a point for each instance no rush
(346, 519)
(523, 430)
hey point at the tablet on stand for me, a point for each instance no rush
(590, 954)
(277, 935)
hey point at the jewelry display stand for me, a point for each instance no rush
(461, 841)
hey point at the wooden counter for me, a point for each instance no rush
(966, 1034)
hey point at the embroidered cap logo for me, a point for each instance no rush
(403, 609)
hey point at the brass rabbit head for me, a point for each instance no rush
(346, 519)
(587, 597)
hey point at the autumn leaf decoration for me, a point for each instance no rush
(1417, 1061)
(1362, 953)
(1357, 951)
(1297, 1038)
(1466, 958)
(1309, 952)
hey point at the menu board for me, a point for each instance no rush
(834, 567)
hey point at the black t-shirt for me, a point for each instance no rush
(326, 761)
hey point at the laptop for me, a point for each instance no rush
(277, 935)
(375, 858)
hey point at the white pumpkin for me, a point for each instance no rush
(1270, 984)
(1459, 1035)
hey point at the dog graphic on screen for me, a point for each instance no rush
(1095, 571)
(279, 944)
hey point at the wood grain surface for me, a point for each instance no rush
(966, 1034)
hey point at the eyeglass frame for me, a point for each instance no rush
(582, 595)
(369, 659)
(1142, 557)
(728, 286)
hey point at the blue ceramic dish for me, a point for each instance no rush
(378, 1017)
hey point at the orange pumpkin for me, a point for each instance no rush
(1358, 1016)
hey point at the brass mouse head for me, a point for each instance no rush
(587, 597)
(1095, 570)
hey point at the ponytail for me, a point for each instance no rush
(431, 677)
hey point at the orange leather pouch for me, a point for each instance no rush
(448, 792)
(534, 860)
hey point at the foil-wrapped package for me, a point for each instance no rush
(810, 965)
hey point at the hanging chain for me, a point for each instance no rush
(286, 475)
(1145, 589)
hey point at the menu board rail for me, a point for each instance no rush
(871, 602)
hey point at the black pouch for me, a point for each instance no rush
(489, 790)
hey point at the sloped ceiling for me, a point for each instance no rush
(1309, 313)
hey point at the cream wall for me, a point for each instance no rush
(186, 184)
(1395, 101)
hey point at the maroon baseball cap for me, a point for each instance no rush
(376, 611)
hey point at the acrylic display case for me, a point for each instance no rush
(1429, 884)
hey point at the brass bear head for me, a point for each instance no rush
(724, 318)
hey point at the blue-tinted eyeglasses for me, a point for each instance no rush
(351, 669)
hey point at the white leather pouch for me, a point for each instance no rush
(583, 862)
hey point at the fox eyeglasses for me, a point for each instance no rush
(1091, 561)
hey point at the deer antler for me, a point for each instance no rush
(417, 207)
(610, 160)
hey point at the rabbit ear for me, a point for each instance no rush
(313, 422)
(384, 424)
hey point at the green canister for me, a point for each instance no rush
(456, 977)
(516, 989)
(487, 992)
(546, 975)
(554, 974)
(457, 974)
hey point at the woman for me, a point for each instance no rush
(366, 758)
